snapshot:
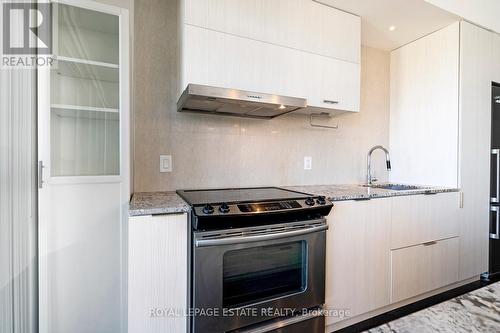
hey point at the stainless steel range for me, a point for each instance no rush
(258, 260)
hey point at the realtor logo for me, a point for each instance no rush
(26, 28)
(27, 34)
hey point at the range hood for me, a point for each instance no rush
(239, 103)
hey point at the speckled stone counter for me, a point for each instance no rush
(151, 203)
(359, 192)
(477, 311)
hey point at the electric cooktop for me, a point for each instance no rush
(238, 195)
(212, 206)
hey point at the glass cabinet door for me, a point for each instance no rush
(84, 93)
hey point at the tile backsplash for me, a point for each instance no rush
(215, 151)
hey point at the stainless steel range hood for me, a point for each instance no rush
(239, 103)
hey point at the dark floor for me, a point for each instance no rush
(414, 307)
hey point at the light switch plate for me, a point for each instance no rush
(308, 163)
(165, 163)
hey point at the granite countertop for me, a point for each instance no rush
(359, 192)
(476, 311)
(153, 203)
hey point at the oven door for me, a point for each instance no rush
(250, 275)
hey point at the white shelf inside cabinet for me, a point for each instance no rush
(87, 112)
(87, 69)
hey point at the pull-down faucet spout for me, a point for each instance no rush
(369, 178)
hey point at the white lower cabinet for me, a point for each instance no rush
(357, 258)
(422, 268)
(387, 250)
(158, 273)
(418, 219)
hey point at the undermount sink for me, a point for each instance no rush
(395, 187)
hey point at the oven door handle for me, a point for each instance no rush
(259, 238)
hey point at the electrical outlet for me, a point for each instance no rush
(165, 163)
(308, 162)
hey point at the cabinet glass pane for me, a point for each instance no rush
(85, 108)
(87, 34)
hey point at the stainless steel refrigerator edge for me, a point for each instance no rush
(494, 246)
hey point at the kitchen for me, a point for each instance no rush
(268, 166)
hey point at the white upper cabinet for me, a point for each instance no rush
(299, 24)
(496, 55)
(424, 109)
(297, 48)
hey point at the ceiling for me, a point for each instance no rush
(412, 19)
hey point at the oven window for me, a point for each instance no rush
(260, 273)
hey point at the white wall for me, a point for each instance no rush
(214, 151)
(484, 13)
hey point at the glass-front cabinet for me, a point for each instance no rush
(85, 93)
(84, 179)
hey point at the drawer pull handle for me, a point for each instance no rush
(429, 243)
(329, 101)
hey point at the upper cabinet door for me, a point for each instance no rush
(339, 89)
(496, 57)
(85, 94)
(298, 48)
(424, 114)
(299, 24)
(222, 60)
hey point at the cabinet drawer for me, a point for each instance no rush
(422, 268)
(418, 219)
(332, 33)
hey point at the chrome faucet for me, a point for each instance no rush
(369, 178)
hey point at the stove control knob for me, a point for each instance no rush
(224, 208)
(310, 201)
(208, 209)
(321, 200)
